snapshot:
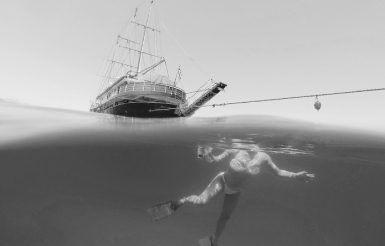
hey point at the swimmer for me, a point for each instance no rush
(243, 166)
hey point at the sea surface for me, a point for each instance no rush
(84, 179)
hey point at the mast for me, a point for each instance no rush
(143, 39)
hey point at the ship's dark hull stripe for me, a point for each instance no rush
(140, 110)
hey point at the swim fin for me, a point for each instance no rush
(206, 241)
(163, 210)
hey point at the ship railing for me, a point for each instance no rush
(165, 89)
(159, 89)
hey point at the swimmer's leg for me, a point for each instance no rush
(230, 201)
(215, 186)
(165, 209)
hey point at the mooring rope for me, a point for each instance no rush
(282, 98)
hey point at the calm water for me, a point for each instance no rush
(70, 178)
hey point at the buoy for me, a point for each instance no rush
(317, 104)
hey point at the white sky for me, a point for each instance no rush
(51, 52)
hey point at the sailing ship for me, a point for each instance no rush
(133, 83)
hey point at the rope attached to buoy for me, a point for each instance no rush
(284, 98)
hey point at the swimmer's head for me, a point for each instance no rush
(226, 140)
(254, 148)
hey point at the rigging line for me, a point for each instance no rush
(134, 15)
(104, 68)
(198, 91)
(200, 88)
(109, 70)
(158, 36)
(142, 3)
(286, 98)
(107, 66)
(155, 50)
(125, 27)
(165, 64)
(121, 67)
(190, 58)
(149, 50)
(127, 57)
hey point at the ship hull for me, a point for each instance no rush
(141, 110)
(141, 99)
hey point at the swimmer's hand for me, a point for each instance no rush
(304, 176)
(209, 158)
(200, 152)
(204, 152)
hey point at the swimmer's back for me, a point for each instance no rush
(242, 156)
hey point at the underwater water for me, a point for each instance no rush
(70, 178)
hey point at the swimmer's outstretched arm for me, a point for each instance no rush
(302, 176)
(221, 156)
(205, 153)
